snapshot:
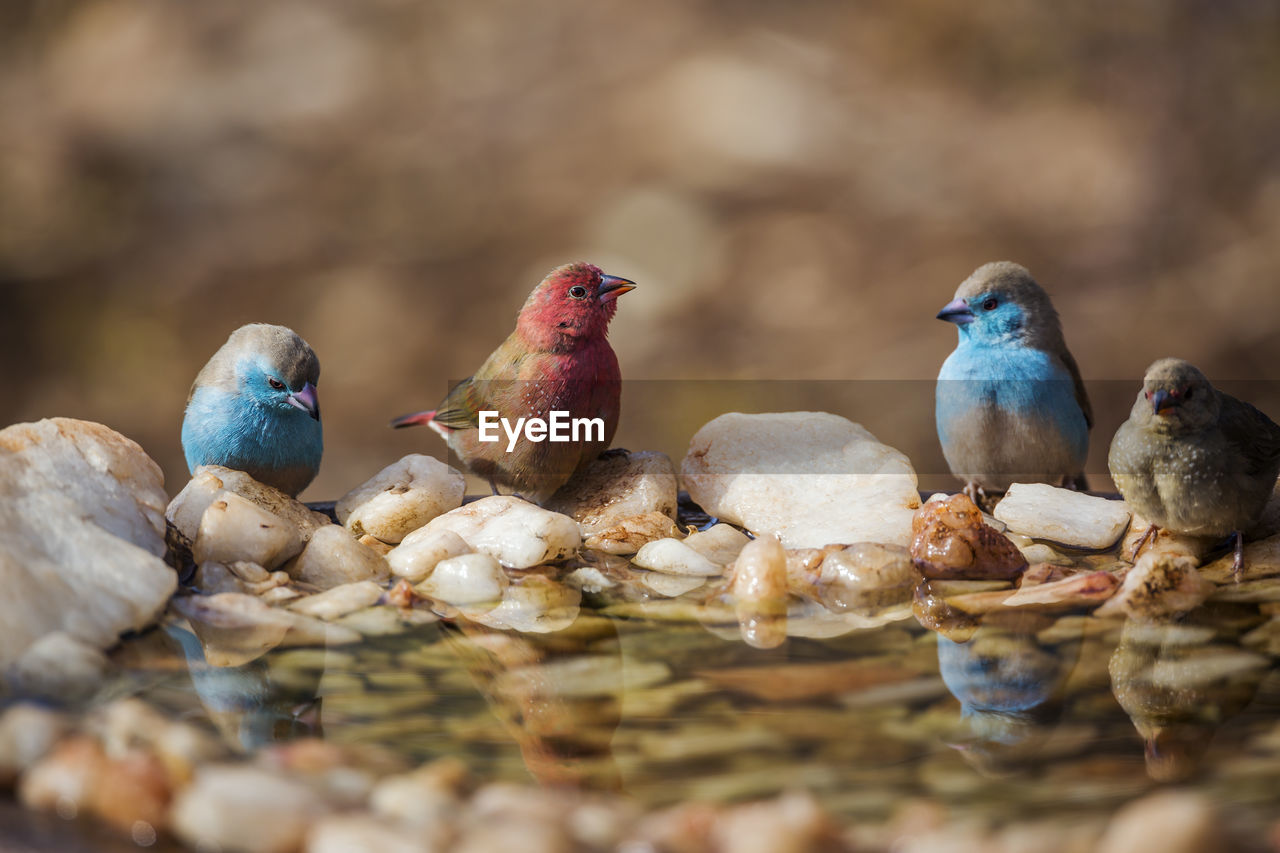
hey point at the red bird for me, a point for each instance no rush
(558, 360)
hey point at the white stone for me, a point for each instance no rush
(358, 833)
(535, 605)
(617, 487)
(235, 529)
(676, 558)
(1059, 515)
(241, 807)
(81, 536)
(415, 557)
(759, 589)
(720, 543)
(514, 532)
(333, 558)
(1169, 821)
(58, 666)
(810, 478)
(339, 601)
(210, 481)
(468, 579)
(27, 732)
(401, 498)
(234, 628)
(671, 585)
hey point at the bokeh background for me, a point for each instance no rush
(797, 188)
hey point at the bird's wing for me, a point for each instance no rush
(1082, 397)
(1255, 434)
(460, 407)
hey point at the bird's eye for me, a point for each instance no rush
(578, 292)
(275, 383)
(1187, 395)
(990, 304)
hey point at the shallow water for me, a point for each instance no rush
(1063, 717)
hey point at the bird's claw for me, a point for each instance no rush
(1237, 564)
(1146, 537)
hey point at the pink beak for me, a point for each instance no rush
(306, 400)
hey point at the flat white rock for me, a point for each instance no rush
(333, 558)
(468, 579)
(235, 529)
(210, 481)
(339, 601)
(675, 558)
(720, 543)
(617, 487)
(415, 557)
(81, 536)
(536, 605)
(401, 498)
(1059, 515)
(810, 478)
(514, 532)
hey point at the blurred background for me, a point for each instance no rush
(796, 187)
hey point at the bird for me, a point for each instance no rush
(558, 358)
(253, 407)
(1194, 460)
(1010, 405)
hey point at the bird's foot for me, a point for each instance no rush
(1147, 536)
(493, 487)
(975, 492)
(1237, 565)
(614, 452)
(1075, 483)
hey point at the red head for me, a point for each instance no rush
(571, 306)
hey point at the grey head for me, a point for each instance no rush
(271, 365)
(1176, 397)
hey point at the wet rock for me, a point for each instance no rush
(78, 778)
(632, 533)
(210, 481)
(401, 498)
(235, 529)
(1169, 821)
(1060, 515)
(59, 667)
(671, 585)
(759, 590)
(792, 823)
(339, 601)
(429, 797)
(27, 733)
(233, 807)
(235, 628)
(720, 543)
(1160, 586)
(795, 681)
(810, 478)
(415, 557)
(853, 577)
(949, 540)
(676, 558)
(82, 536)
(1163, 541)
(1261, 560)
(536, 604)
(618, 487)
(473, 580)
(365, 834)
(516, 533)
(333, 558)
(1076, 591)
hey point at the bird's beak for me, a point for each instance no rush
(956, 311)
(306, 400)
(1162, 403)
(611, 287)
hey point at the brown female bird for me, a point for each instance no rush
(1192, 459)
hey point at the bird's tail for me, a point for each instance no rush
(415, 419)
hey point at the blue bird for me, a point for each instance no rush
(1010, 404)
(254, 408)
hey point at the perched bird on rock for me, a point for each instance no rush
(1010, 404)
(558, 359)
(1193, 460)
(254, 408)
